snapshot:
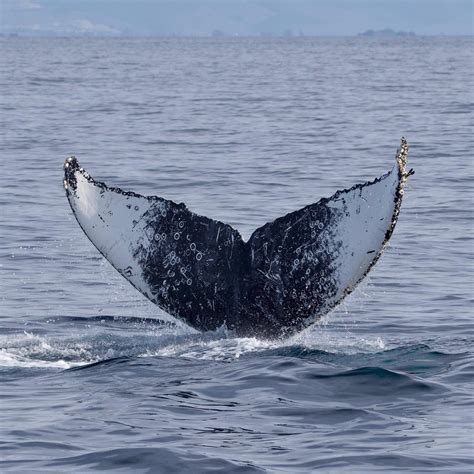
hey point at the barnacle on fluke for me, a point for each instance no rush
(288, 274)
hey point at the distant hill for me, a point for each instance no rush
(386, 33)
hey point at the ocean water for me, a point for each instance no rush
(95, 378)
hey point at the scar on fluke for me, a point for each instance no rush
(289, 273)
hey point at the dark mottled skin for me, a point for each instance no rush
(201, 270)
(290, 275)
(193, 266)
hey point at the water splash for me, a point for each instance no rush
(80, 341)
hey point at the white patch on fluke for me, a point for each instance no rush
(114, 224)
(360, 234)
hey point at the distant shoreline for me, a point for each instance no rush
(387, 33)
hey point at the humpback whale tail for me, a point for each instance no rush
(288, 274)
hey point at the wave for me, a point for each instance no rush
(28, 350)
(149, 459)
(88, 341)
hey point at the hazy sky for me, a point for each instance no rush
(235, 17)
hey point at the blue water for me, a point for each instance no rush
(94, 377)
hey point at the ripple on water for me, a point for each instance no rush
(242, 130)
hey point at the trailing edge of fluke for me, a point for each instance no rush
(288, 274)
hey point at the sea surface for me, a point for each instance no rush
(93, 377)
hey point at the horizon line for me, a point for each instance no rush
(16, 35)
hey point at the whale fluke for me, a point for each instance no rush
(288, 274)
